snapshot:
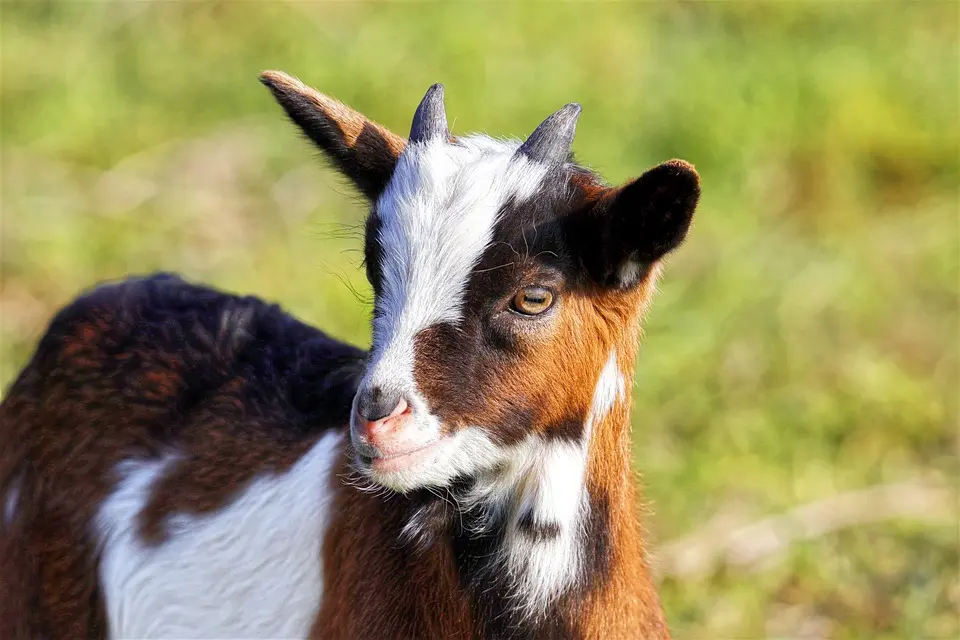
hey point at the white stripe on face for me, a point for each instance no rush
(437, 217)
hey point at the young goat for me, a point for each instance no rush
(179, 462)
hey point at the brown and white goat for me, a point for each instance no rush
(179, 462)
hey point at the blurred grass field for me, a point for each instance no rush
(803, 349)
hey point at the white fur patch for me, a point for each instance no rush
(251, 570)
(629, 272)
(547, 481)
(541, 569)
(610, 388)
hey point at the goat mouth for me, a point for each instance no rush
(407, 459)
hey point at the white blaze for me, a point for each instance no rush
(437, 217)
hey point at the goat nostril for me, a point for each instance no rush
(401, 408)
(375, 404)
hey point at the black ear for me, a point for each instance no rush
(361, 149)
(632, 226)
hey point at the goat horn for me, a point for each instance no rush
(430, 120)
(550, 142)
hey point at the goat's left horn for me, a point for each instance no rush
(550, 142)
(430, 120)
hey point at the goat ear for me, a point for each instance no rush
(632, 226)
(361, 149)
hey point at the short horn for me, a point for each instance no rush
(550, 142)
(430, 120)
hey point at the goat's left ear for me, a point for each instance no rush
(632, 226)
(364, 151)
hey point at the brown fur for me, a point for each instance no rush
(377, 588)
(628, 601)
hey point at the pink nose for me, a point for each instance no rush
(382, 428)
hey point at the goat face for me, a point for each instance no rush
(505, 278)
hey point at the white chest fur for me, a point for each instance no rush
(251, 570)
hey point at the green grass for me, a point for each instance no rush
(805, 340)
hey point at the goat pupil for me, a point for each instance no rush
(532, 300)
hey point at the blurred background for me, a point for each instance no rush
(796, 414)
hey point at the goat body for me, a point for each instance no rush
(180, 462)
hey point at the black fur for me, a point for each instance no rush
(207, 338)
(536, 530)
(641, 221)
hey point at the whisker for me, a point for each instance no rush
(340, 231)
(509, 264)
(546, 251)
(510, 246)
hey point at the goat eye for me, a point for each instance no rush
(532, 301)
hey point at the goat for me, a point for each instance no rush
(180, 462)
